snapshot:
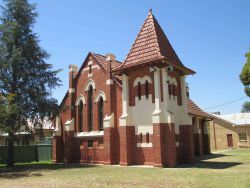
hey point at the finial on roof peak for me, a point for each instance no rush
(150, 11)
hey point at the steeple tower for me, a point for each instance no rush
(151, 44)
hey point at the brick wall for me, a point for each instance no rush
(164, 145)
(127, 145)
(109, 146)
(57, 149)
(144, 156)
(94, 154)
(185, 151)
(71, 148)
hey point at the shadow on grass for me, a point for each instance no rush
(210, 156)
(28, 170)
(213, 156)
(210, 165)
(216, 165)
(202, 163)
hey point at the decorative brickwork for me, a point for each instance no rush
(136, 125)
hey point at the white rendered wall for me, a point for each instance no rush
(142, 115)
(145, 113)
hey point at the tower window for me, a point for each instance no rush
(140, 137)
(147, 138)
(139, 90)
(174, 91)
(146, 89)
(169, 90)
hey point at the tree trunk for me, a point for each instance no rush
(10, 158)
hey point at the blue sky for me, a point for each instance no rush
(210, 37)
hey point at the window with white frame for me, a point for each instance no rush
(242, 136)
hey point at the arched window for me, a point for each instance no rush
(80, 116)
(146, 89)
(90, 108)
(100, 113)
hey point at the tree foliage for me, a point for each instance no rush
(246, 107)
(245, 80)
(26, 80)
(245, 75)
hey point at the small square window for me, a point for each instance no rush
(243, 136)
(90, 143)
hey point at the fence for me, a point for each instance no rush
(29, 153)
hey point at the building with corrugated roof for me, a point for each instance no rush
(230, 131)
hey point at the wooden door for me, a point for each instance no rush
(229, 140)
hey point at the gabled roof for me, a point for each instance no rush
(100, 60)
(194, 109)
(151, 45)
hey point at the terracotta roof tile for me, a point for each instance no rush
(151, 44)
(101, 59)
(195, 110)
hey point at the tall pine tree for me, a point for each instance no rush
(26, 80)
(245, 79)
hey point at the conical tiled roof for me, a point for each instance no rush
(150, 45)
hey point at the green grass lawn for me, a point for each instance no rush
(225, 169)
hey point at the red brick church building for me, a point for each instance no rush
(129, 113)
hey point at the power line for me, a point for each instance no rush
(225, 103)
